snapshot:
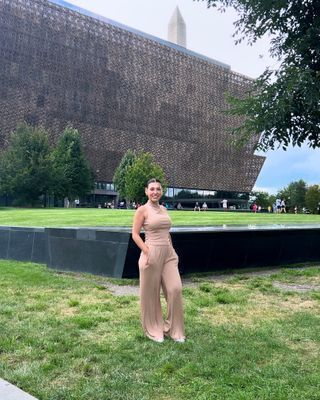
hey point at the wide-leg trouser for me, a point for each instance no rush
(160, 270)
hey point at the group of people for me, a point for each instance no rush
(109, 204)
(255, 208)
(204, 207)
(280, 206)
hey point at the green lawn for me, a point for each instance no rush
(104, 217)
(65, 337)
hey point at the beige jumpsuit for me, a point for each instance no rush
(160, 270)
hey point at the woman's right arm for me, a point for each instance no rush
(136, 228)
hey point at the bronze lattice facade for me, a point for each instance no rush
(122, 90)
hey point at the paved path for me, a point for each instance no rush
(131, 290)
(125, 290)
(11, 392)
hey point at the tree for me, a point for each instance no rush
(25, 166)
(137, 175)
(282, 106)
(313, 198)
(74, 176)
(294, 194)
(119, 178)
(262, 198)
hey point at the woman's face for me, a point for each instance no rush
(154, 191)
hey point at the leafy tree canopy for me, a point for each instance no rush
(262, 199)
(25, 166)
(283, 106)
(143, 168)
(294, 194)
(119, 178)
(74, 176)
(313, 198)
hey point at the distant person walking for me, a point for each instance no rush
(224, 203)
(283, 206)
(158, 266)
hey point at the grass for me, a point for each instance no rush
(104, 217)
(65, 337)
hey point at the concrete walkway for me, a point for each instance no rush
(11, 392)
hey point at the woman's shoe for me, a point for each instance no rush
(158, 340)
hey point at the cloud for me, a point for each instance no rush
(282, 167)
(268, 189)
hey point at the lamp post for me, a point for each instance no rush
(173, 183)
(94, 192)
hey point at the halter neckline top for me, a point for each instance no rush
(156, 226)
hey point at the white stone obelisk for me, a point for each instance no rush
(177, 32)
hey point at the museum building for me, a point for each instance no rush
(124, 89)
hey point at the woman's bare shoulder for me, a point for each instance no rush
(141, 210)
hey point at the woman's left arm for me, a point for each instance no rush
(169, 236)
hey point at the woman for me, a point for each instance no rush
(158, 265)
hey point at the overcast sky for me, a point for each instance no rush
(209, 32)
